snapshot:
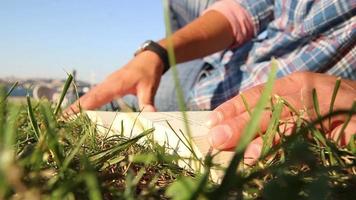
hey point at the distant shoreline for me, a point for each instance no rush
(20, 92)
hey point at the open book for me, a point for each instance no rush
(170, 130)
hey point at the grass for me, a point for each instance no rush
(44, 157)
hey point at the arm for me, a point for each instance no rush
(226, 23)
(209, 33)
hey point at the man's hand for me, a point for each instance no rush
(140, 77)
(228, 121)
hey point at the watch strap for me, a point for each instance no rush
(160, 51)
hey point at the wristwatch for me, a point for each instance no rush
(150, 45)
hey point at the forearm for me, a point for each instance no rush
(209, 33)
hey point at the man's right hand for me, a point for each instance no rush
(140, 77)
(207, 34)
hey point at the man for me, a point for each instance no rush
(317, 36)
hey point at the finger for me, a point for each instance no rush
(145, 96)
(99, 95)
(288, 87)
(346, 136)
(95, 98)
(148, 108)
(69, 112)
(228, 133)
(234, 106)
(328, 124)
(286, 127)
(253, 151)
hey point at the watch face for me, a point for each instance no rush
(145, 44)
(143, 47)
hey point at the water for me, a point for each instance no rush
(20, 92)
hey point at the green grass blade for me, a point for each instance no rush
(109, 129)
(32, 118)
(347, 121)
(172, 62)
(252, 126)
(205, 176)
(9, 92)
(290, 106)
(122, 128)
(74, 151)
(107, 154)
(129, 187)
(184, 141)
(248, 134)
(3, 112)
(268, 137)
(317, 107)
(63, 94)
(244, 100)
(90, 179)
(93, 186)
(333, 97)
(112, 162)
(135, 122)
(51, 135)
(352, 145)
(171, 56)
(189, 146)
(10, 135)
(321, 138)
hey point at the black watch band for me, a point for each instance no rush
(158, 49)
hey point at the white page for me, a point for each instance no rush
(164, 134)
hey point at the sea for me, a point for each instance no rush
(20, 92)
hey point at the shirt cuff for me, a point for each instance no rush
(239, 19)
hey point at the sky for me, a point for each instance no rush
(47, 38)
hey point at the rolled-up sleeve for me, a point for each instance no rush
(246, 17)
(261, 11)
(239, 20)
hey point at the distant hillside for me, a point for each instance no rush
(25, 86)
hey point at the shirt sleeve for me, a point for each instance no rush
(247, 17)
(239, 20)
(261, 11)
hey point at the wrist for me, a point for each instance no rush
(157, 66)
(158, 49)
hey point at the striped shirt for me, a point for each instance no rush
(303, 35)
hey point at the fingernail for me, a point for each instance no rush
(148, 108)
(219, 135)
(252, 153)
(213, 119)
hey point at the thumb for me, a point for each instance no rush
(145, 96)
(346, 134)
(253, 151)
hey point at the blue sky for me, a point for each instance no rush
(45, 38)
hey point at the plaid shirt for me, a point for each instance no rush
(303, 35)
